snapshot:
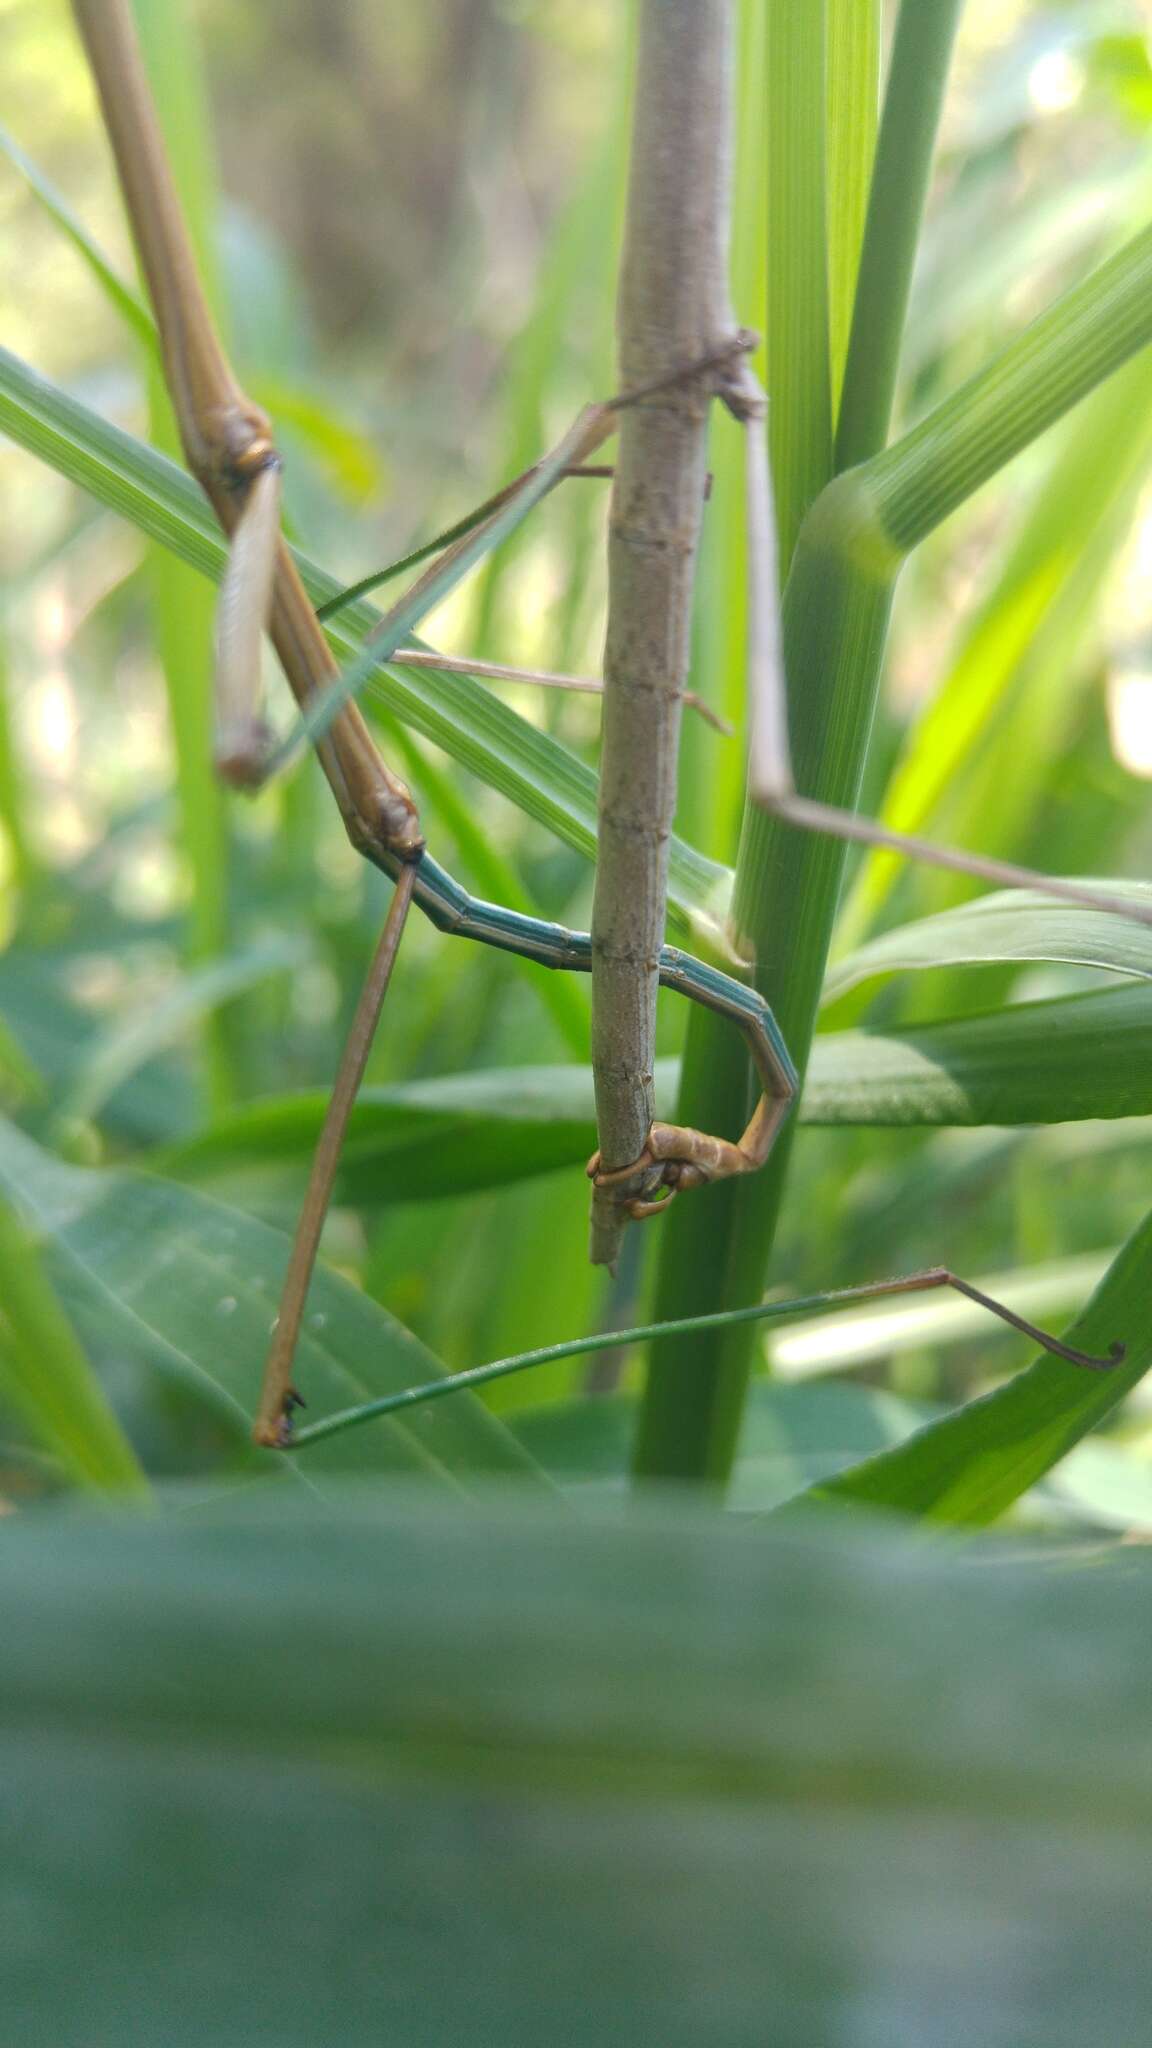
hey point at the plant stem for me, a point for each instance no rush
(835, 617)
(673, 308)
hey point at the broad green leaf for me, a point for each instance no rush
(526, 1780)
(1012, 924)
(972, 1465)
(193, 1286)
(471, 724)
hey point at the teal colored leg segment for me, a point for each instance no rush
(451, 909)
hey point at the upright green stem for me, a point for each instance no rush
(917, 77)
(836, 610)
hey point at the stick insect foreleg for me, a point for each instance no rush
(228, 443)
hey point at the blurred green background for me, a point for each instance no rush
(411, 221)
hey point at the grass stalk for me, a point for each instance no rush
(836, 610)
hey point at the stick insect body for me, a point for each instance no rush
(229, 446)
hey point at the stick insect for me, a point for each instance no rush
(229, 447)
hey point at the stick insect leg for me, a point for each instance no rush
(242, 613)
(228, 444)
(277, 1395)
(766, 1311)
(676, 1158)
(942, 1276)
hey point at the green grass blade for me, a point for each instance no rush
(120, 296)
(1083, 338)
(431, 589)
(1075, 1059)
(837, 604)
(971, 1467)
(185, 613)
(1034, 1063)
(567, 345)
(46, 1377)
(13, 784)
(917, 76)
(796, 329)
(1011, 924)
(127, 1046)
(855, 29)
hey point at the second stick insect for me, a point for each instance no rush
(229, 446)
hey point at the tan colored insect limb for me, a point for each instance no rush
(242, 613)
(277, 1396)
(226, 437)
(542, 678)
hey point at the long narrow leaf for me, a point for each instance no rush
(1010, 925)
(46, 1378)
(120, 296)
